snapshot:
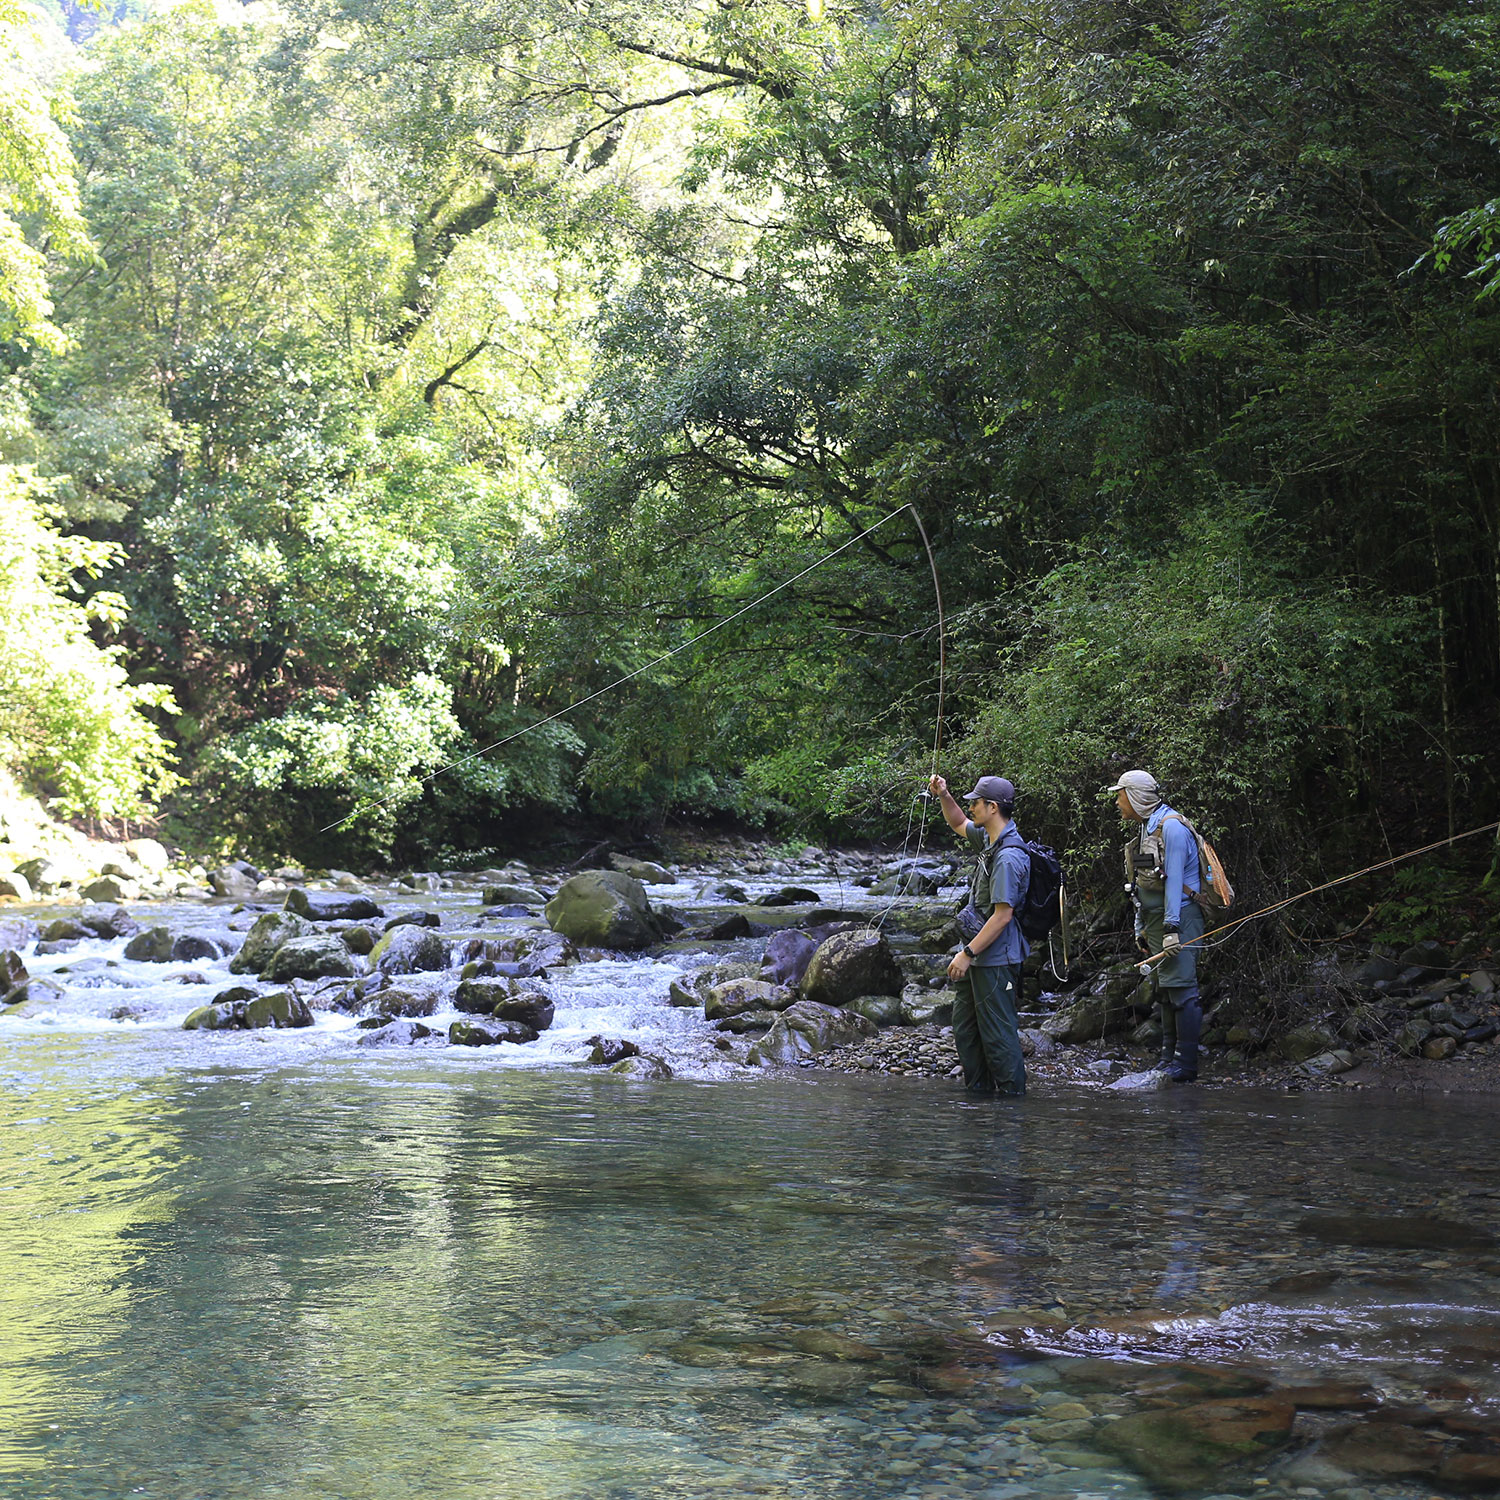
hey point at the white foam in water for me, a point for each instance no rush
(624, 997)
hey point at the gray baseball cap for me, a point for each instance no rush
(992, 789)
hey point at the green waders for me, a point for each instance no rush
(985, 1030)
(1176, 980)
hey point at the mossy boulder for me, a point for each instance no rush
(153, 946)
(735, 996)
(604, 909)
(410, 950)
(331, 906)
(486, 1031)
(320, 955)
(265, 937)
(506, 1000)
(281, 1009)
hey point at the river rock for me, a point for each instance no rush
(108, 921)
(16, 886)
(268, 934)
(17, 932)
(789, 895)
(608, 1050)
(153, 946)
(410, 950)
(929, 1008)
(642, 870)
(360, 940)
(735, 996)
(883, 1010)
(806, 1029)
(221, 1016)
(65, 930)
(486, 1031)
(413, 919)
(1439, 1049)
(506, 1001)
(729, 891)
(108, 888)
(1328, 1064)
(1184, 1448)
(52, 873)
(191, 946)
(604, 909)
(12, 971)
(1153, 1080)
(788, 954)
(681, 996)
(148, 854)
(281, 1010)
(230, 880)
(400, 1034)
(395, 1002)
(330, 906)
(1305, 1042)
(1087, 1020)
(642, 1066)
(316, 956)
(746, 1021)
(513, 895)
(850, 964)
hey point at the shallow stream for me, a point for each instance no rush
(259, 1264)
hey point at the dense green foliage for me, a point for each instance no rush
(446, 363)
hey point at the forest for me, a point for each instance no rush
(381, 377)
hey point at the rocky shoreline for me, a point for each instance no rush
(848, 976)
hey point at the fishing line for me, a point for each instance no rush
(667, 656)
(937, 733)
(1228, 928)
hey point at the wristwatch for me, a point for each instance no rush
(967, 949)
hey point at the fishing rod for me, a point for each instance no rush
(1147, 966)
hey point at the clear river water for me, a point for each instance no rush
(279, 1264)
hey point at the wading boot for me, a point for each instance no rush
(1167, 1014)
(1189, 1023)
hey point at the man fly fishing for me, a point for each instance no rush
(986, 971)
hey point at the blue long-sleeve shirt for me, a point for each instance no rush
(1179, 860)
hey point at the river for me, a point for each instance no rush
(280, 1264)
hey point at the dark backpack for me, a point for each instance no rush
(1042, 907)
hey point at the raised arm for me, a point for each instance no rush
(957, 820)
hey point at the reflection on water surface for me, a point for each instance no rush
(370, 1279)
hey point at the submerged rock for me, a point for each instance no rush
(1185, 1448)
(850, 964)
(604, 909)
(642, 1066)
